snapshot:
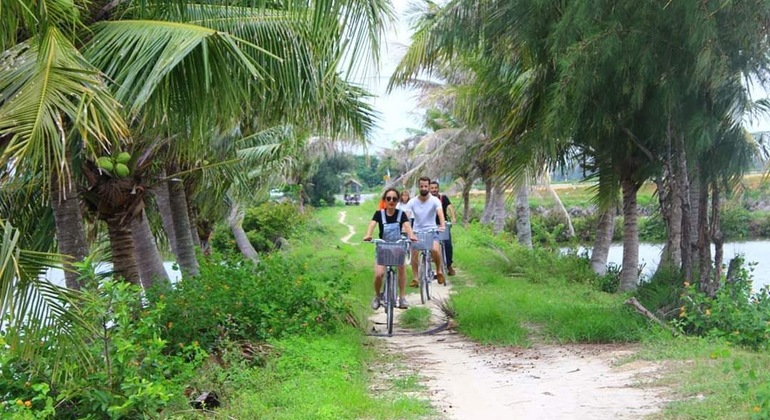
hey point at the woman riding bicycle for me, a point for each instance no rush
(391, 224)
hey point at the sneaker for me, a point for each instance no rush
(376, 302)
(451, 271)
(402, 303)
(414, 283)
(440, 278)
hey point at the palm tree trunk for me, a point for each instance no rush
(716, 233)
(122, 247)
(70, 233)
(185, 247)
(704, 245)
(489, 202)
(164, 208)
(467, 201)
(499, 214)
(689, 216)
(193, 216)
(235, 220)
(523, 222)
(151, 269)
(629, 275)
(601, 249)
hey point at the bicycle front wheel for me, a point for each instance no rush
(425, 274)
(390, 299)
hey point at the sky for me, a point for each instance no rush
(399, 110)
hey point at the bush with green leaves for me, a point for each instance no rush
(263, 225)
(129, 373)
(238, 300)
(734, 313)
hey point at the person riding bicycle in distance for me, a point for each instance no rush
(426, 211)
(391, 224)
(449, 213)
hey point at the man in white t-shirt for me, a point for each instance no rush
(425, 209)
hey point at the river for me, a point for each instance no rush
(753, 251)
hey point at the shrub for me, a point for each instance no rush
(263, 224)
(734, 313)
(129, 375)
(238, 300)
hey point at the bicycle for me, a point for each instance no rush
(391, 255)
(424, 245)
(444, 236)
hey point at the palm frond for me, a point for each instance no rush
(35, 310)
(48, 90)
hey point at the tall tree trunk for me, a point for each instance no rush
(670, 199)
(499, 213)
(184, 242)
(467, 201)
(70, 233)
(704, 244)
(122, 246)
(523, 222)
(164, 208)
(235, 220)
(192, 214)
(690, 214)
(489, 202)
(601, 249)
(716, 233)
(629, 275)
(151, 269)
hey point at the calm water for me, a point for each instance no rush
(753, 251)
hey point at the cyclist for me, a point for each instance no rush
(426, 210)
(449, 213)
(391, 223)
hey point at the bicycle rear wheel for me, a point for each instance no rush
(443, 261)
(425, 277)
(390, 299)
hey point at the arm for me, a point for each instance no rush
(441, 219)
(406, 226)
(452, 216)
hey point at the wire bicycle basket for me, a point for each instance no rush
(391, 253)
(445, 235)
(425, 240)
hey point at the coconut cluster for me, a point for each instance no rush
(115, 164)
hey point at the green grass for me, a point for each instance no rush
(329, 376)
(416, 318)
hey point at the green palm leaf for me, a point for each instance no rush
(46, 90)
(34, 310)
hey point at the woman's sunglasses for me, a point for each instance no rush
(391, 198)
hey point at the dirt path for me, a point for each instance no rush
(465, 380)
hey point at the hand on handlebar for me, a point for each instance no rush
(441, 228)
(367, 238)
(414, 238)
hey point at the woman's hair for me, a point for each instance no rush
(382, 200)
(389, 190)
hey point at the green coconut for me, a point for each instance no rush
(105, 163)
(122, 170)
(123, 157)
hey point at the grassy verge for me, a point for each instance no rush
(511, 296)
(328, 376)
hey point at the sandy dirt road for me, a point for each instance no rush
(465, 380)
